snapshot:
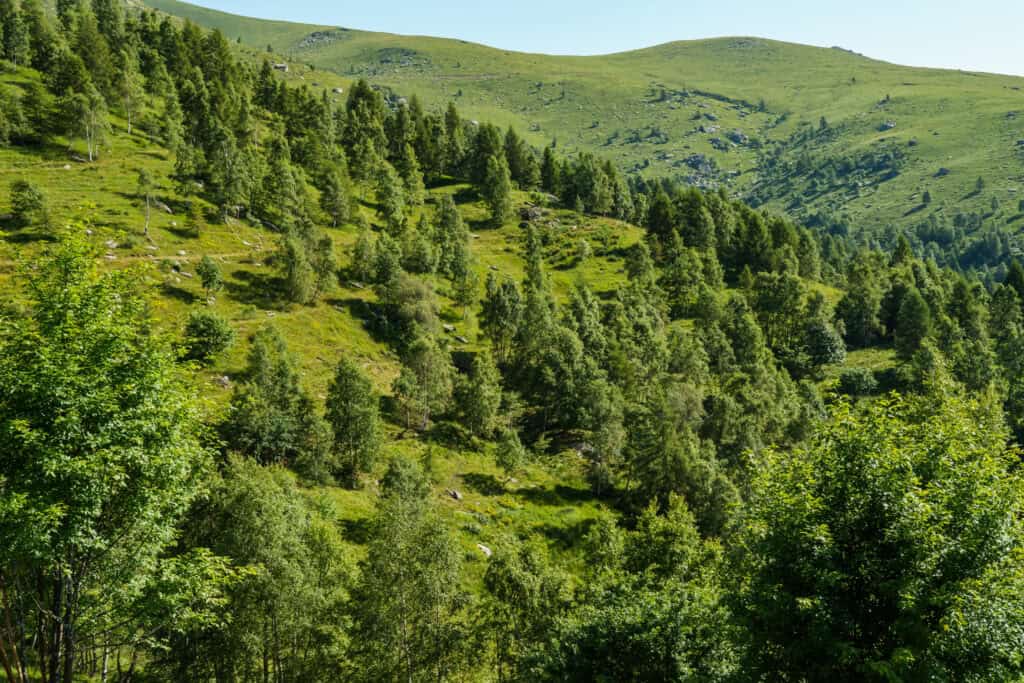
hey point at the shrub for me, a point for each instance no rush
(206, 335)
(27, 203)
(858, 382)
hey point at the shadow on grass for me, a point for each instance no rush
(484, 484)
(372, 315)
(182, 232)
(27, 237)
(559, 495)
(449, 435)
(566, 537)
(465, 195)
(256, 289)
(357, 530)
(481, 225)
(180, 293)
(442, 182)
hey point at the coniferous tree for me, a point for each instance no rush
(353, 414)
(913, 323)
(497, 189)
(272, 418)
(479, 396)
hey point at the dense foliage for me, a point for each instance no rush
(754, 524)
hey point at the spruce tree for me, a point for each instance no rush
(353, 412)
(497, 189)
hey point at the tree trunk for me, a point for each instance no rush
(56, 633)
(11, 659)
(69, 631)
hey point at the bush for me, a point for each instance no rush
(206, 335)
(27, 203)
(857, 382)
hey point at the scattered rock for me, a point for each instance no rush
(357, 285)
(182, 252)
(246, 243)
(530, 213)
(462, 340)
(738, 137)
(484, 549)
(88, 231)
(67, 167)
(223, 381)
(493, 267)
(151, 247)
(448, 328)
(111, 244)
(163, 207)
(474, 235)
(942, 172)
(454, 494)
(110, 257)
(184, 274)
(888, 125)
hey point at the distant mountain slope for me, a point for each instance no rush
(746, 113)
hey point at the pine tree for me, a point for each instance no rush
(913, 323)
(272, 417)
(335, 198)
(391, 197)
(550, 173)
(353, 412)
(479, 396)
(497, 190)
(451, 235)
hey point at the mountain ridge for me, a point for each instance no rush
(824, 134)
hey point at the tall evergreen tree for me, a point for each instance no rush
(497, 189)
(353, 414)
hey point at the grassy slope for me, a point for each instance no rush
(549, 500)
(966, 122)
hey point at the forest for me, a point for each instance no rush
(801, 451)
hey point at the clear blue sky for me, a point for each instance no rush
(982, 35)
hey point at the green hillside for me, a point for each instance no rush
(744, 113)
(310, 375)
